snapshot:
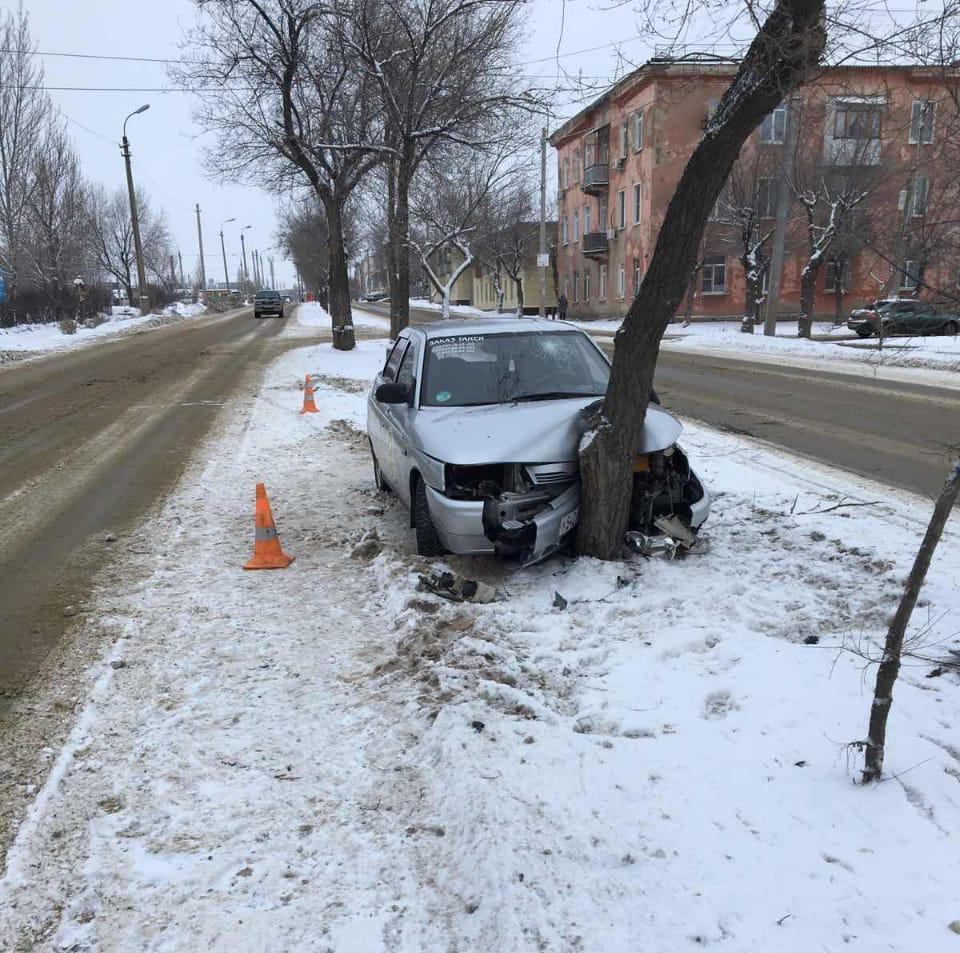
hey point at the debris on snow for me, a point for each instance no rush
(456, 588)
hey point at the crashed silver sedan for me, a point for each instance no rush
(476, 425)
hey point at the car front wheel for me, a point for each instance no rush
(428, 539)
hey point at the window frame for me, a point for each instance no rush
(603, 279)
(905, 274)
(622, 280)
(638, 131)
(587, 219)
(637, 276)
(576, 226)
(917, 209)
(769, 134)
(917, 135)
(576, 287)
(565, 231)
(586, 286)
(399, 347)
(621, 209)
(624, 139)
(637, 203)
(719, 262)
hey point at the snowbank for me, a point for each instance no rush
(39, 338)
(311, 314)
(324, 758)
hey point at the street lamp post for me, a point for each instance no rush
(134, 218)
(243, 247)
(223, 248)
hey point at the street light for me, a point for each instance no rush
(246, 275)
(223, 248)
(135, 220)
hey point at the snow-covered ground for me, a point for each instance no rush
(40, 338)
(312, 315)
(326, 759)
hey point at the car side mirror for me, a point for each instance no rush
(392, 393)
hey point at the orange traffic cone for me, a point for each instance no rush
(309, 407)
(267, 553)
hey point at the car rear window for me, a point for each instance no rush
(268, 296)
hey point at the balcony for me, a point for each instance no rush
(595, 244)
(596, 179)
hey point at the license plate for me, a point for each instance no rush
(569, 521)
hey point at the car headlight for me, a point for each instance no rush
(432, 471)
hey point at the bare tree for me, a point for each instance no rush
(444, 68)
(24, 115)
(288, 104)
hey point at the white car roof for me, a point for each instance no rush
(457, 327)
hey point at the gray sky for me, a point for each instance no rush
(167, 146)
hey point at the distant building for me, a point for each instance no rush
(527, 241)
(889, 128)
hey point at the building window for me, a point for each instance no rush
(714, 275)
(921, 189)
(586, 219)
(774, 126)
(576, 227)
(603, 283)
(624, 139)
(921, 121)
(576, 165)
(576, 287)
(856, 122)
(565, 175)
(766, 197)
(638, 130)
(835, 265)
(622, 281)
(911, 275)
(636, 276)
(622, 208)
(586, 285)
(637, 204)
(565, 231)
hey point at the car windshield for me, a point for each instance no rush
(268, 296)
(467, 370)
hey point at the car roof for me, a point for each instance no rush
(458, 327)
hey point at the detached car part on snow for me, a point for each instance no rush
(454, 396)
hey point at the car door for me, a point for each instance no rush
(379, 418)
(402, 418)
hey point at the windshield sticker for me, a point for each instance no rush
(454, 346)
(443, 396)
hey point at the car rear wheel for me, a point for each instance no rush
(428, 539)
(864, 332)
(952, 327)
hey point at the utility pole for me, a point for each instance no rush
(273, 281)
(543, 259)
(203, 267)
(256, 270)
(134, 217)
(183, 284)
(173, 273)
(243, 249)
(780, 222)
(223, 249)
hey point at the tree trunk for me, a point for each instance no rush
(808, 292)
(787, 46)
(893, 648)
(399, 240)
(838, 301)
(338, 289)
(518, 281)
(392, 277)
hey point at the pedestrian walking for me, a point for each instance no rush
(562, 307)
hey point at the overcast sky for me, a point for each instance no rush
(167, 146)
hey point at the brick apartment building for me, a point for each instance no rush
(884, 139)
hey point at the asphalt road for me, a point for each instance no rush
(89, 440)
(902, 434)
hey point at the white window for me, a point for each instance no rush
(638, 130)
(603, 283)
(921, 189)
(576, 287)
(911, 275)
(921, 121)
(624, 139)
(576, 227)
(830, 279)
(636, 276)
(565, 174)
(565, 230)
(576, 165)
(637, 202)
(621, 208)
(586, 285)
(622, 281)
(774, 126)
(714, 275)
(766, 197)
(586, 219)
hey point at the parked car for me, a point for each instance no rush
(267, 302)
(902, 316)
(476, 426)
(375, 296)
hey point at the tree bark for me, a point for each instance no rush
(893, 648)
(338, 289)
(399, 239)
(808, 292)
(787, 47)
(518, 281)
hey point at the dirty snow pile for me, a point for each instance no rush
(646, 755)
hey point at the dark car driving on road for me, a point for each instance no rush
(902, 316)
(267, 302)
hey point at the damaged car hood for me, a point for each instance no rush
(545, 431)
